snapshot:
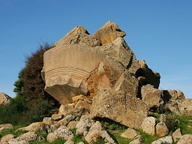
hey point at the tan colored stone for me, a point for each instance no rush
(72, 124)
(130, 133)
(7, 138)
(161, 129)
(57, 117)
(65, 120)
(69, 142)
(177, 135)
(5, 126)
(36, 126)
(185, 139)
(148, 125)
(152, 96)
(51, 137)
(167, 139)
(48, 120)
(109, 32)
(4, 99)
(120, 107)
(96, 131)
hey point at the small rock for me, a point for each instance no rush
(51, 137)
(69, 142)
(5, 126)
(130, 133)
(66, 120)
(36, 126)
(96, 131)
(57, 117)
(72, 124)
(25, 138)
(167, 139)
(48, 120)
(177, 135)
(148, 125)
(136, 141)
(185, 139)
(161, 129)
(83, 125)
(7, 138)
(64, 132)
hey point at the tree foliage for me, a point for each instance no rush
(31, 103)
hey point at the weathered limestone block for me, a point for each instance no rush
(152, 96)
(120, 107)
(109, 32)
(177, 135)
(96, 131)
(161, 129)
(4, 99)
(177, 103)
(148, 125)
(5, 127)
(167, 139)
(7, 138)
(66, 69)
(130, 134)
(185, 139)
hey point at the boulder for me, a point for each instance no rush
(108, 33)
(36, 126)
(177, 103)
(51, 137)
(167, 139)
(5, 126)
(130, 134)
(148, 125)
(25, 138)
(7, 138)
(57, 117)
(69, 142)
(177, 135)
(185, 139)
(152, 96)
(98, 131)
(4, 99)
(161, 129)
(66, 120)
(48, 120)
(68, 73)
(119, 106)
(84, 125)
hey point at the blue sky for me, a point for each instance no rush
(159, 31)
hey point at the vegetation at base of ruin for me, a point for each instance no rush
(184, 122)
(31, 103)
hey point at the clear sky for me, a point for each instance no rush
(159, 31)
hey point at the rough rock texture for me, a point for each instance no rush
(96, 131)
(130, 133)
(84, 125)
(167, 139)
(148, 125)
(61, 132)
(120, 107)
(5, 126)
(7, 138)
(161, 129)
(152, 96)
(185, 139)
(4, 99)
(177, 135)
(25, 138)
(82, 64)
(36, 126)
(177, 103)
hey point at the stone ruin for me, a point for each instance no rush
(105, 72)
